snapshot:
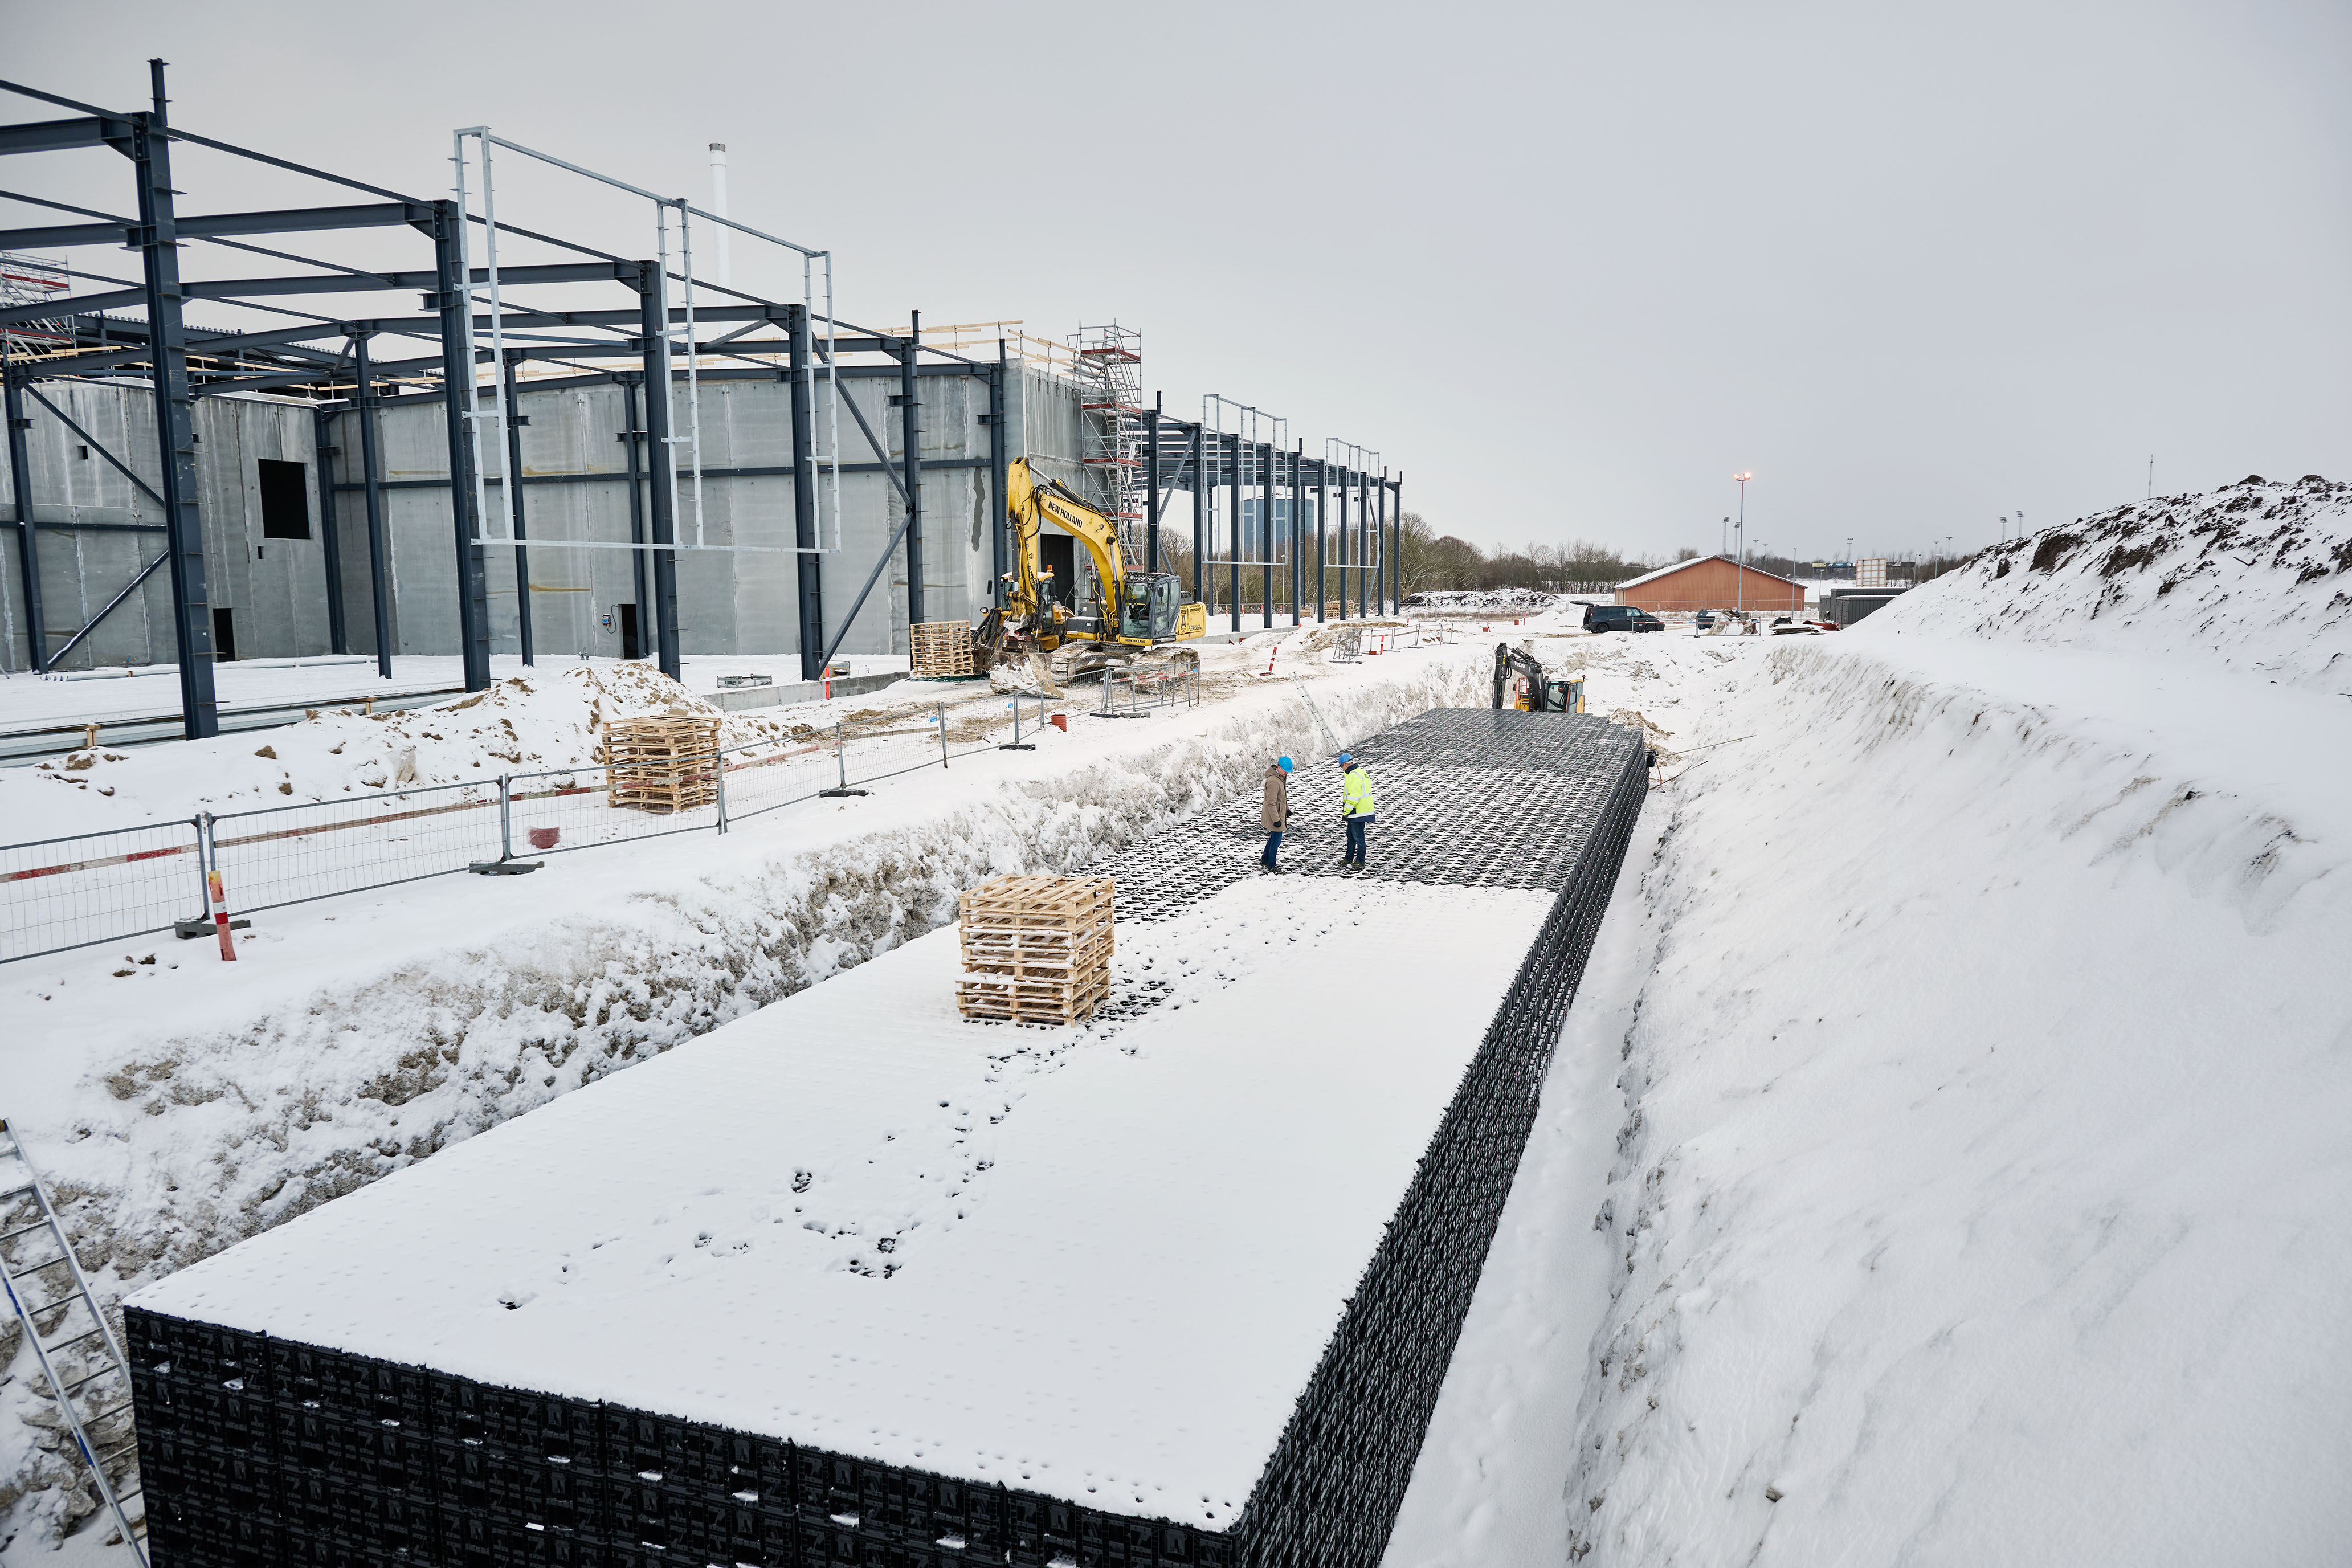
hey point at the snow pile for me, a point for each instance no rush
(1979, 1192)
(2255, 575)
(525, 723)
(995, 1243)
(1516, 600)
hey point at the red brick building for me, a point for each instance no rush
(1713, 583)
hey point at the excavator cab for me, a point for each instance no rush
(1148, 609)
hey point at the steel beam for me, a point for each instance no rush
(911, 433)
(322, 447)
(638, 565)
(370, 473)
(1000, 474)
(807, 565)
(28, 548)
(1199, 521)
(1233, 444)
(192, 614)
(659, 462)
(1151, 490)
(214, 225)
(512, 500)
(1322, 514)
(473, 592)
(57, 135)
(1297, 528)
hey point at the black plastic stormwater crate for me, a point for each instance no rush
(259, 1452)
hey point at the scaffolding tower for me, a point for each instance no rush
(1110, 379)
(26, 281)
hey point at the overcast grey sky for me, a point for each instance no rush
(1568, 266)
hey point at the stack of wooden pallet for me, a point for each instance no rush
(661, 762)
(1036, 949)
(941, 648)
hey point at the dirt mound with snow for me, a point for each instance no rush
(527, 723)
(1518, 600)
(2257, 575)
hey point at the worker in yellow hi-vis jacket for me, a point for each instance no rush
(1355, 807)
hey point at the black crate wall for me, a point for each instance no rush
(259, 1452)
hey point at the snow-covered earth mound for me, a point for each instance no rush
(1513, 599)
(2255, 576)
(1987, 1069)
(525, 723)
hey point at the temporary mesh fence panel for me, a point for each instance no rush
(292, 853)
(579, 808)
(262, 1451)
(60, 893)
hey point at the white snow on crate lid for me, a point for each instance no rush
(1101, 1261)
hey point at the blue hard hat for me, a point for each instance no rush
(1344, 759)
(1282, 762)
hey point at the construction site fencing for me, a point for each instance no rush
(81, 890)
(89, 887)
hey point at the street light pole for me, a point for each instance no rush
(1742, 477)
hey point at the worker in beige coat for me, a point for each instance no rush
(1274, 816)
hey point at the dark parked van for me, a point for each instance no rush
(1621, 619)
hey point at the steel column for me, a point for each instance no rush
(654, 319)
(1297, 528)
(630, 381)
(807, 565)
(1364, 543)
(370, 475)
(167, 342)
(323, 442)
(28, 550)
(1390, 556)
(455, 299)
(1399, 578)
(911, 434)
(1265, 520)
(1151, 491)
(1339, 538)
(514, 423)
(1322, 514)
(1000, 473)
(1233, 444)
(1200, 517)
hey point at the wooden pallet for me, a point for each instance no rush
(941, 648)
(661, 763)
(1036, 949)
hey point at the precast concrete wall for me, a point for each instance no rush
(575, 466)
(275, 589)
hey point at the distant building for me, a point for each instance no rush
(1713, 583)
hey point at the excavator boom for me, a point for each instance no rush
(1132, 610)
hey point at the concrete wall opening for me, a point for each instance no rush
(285, 499)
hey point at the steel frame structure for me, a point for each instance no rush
(332, 360)
(1180, 454)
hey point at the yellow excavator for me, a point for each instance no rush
(1132, 611)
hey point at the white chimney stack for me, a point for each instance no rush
(719, 206)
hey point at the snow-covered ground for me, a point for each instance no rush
(30, 701)
(1946, 1161)
(182, 1105)
(1984, 1020)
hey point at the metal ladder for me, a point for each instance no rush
(89, 1376)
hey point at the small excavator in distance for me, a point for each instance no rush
(1132, 612)
(1520, 683)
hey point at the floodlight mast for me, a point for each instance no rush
(830, 458)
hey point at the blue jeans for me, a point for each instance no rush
(1355, 825)
(1273, 847)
